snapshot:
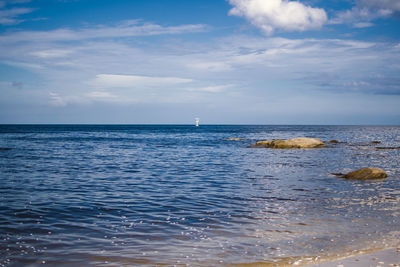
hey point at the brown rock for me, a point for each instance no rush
(301, 142)
(333, 142)
(366, 174)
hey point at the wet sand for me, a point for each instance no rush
(383, 258)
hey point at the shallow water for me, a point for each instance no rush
(152, 195)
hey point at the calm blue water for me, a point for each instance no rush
(152, 195)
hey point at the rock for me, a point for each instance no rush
(257, 146)
(235, 139)
(4, 148)
(366, 174)
(369, 144)
(333, 142)
(301, 142)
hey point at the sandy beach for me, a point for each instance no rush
(383, 258)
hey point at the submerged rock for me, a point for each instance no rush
(366, 174)
(235, 139)
(333, 142)
(302, 142)
(4, 148)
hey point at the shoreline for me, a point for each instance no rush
(376, 257)
(386, 257)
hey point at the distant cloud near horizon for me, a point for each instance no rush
(114, 80)
(279, 14)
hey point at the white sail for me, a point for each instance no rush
(197, 122)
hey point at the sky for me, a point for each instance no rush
(224, 61)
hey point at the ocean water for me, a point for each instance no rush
(165, 195)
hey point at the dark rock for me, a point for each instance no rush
(333, 142)
(4, 148)
(257, 146)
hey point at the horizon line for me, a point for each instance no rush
(190, 124)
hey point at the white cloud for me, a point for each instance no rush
(279, 14)
(390, 5)
(353, 16)
(51, 53)
(56, 100)
(4, 2)
(134, 81)
(101, 95)
(238, 70)
(211, 89)
(213, 66)
(10, 16)
(25, 65)
(367, 10)
(363, 25)
(130, 29)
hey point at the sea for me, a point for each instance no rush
(180, 195)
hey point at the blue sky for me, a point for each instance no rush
(169, 61)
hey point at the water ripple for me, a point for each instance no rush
(163, 195)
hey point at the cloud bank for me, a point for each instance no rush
(279, 14)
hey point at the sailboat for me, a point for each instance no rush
(197, 122)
